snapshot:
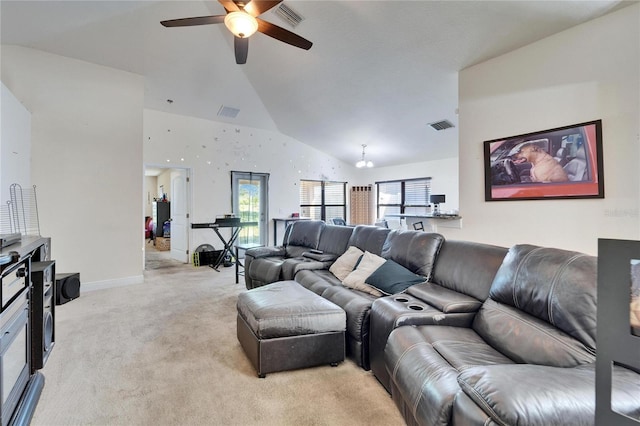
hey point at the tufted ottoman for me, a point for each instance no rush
(284, 326)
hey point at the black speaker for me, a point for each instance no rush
(42, 308)
(67, 287)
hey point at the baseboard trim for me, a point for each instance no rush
(117, 282)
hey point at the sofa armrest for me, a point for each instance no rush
(290, 267)
(444, 299)
(320, 257)
(258, 252)
(532, 394)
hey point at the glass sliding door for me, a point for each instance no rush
(250, 201)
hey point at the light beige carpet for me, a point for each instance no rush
(165, 353)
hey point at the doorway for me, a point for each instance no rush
(250, 201)
(166, 203)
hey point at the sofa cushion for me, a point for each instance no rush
(527, 339)
(317, 280)
(392, 278)
(415, 250)
(532, 394)
(424, 362)
(556, 286)
(467, 267)
(542, 307)
(346, 263)
(302, 236)
(369, 238)
(356, 279)
(335, 239)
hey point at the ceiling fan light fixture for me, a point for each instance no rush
(241, 24)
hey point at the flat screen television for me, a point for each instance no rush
(437, 199)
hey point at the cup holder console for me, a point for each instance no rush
(409, 303)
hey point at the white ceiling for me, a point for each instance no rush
(377, 74)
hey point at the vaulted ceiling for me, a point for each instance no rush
(378, 72)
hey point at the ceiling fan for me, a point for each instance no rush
(242, 20)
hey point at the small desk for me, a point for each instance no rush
(287, 221)
(243, 247)
(228, 245)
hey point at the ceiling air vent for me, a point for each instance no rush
(289, 15)
(441, 125)
(228, 112)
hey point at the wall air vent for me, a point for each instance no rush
(441, 125)
(289, 15)
(228, 112)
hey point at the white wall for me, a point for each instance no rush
(212, 150)
(586, 73)
(15, 145)
(86, 160)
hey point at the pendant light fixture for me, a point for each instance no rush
(363, 163)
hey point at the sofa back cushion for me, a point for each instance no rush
(468, 267)
(542, 307)
(369, 238)
(415, 250)
(335, 239)
(302, 236)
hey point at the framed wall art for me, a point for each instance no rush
(560, 163)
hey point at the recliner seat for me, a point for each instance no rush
(541, 312)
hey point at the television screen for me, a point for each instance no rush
(437, 199)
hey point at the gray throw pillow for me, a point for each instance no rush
(392, 278)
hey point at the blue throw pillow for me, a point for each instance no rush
(392, 278)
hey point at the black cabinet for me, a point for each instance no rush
(160, 214)
(20, 385)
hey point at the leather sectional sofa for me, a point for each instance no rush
(493, 336)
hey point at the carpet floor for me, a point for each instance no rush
(165, 352)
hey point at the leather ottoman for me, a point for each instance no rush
(284, 326)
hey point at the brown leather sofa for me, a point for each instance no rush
(461, 280)
(527, 358)
(295, 260)
(494, 336)
(265, 265)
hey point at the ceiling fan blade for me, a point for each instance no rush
(199, 20)
(258, 7)
(241, 46)
(283, 35)
(229, 5)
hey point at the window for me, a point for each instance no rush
(323, 200)
(409, 196)
(249, 200)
